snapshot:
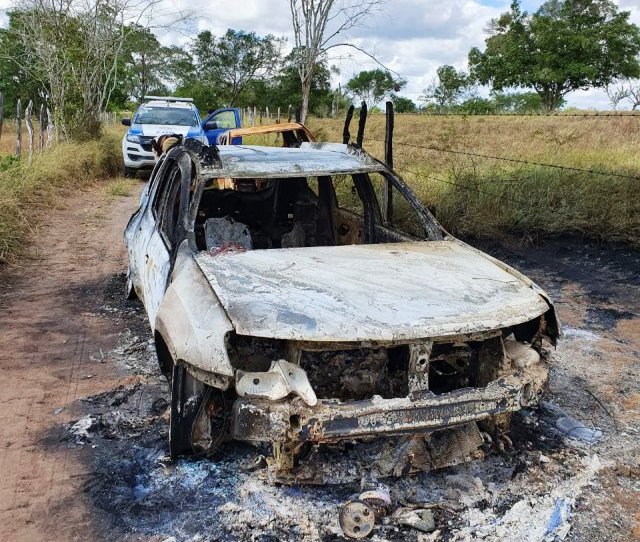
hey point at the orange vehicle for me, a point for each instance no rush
(293, 133)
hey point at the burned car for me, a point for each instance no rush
(301, 296)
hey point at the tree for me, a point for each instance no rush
(73, 48)
(518, 102)
(373, 85)
(316, 24)
(633, 93)
(624, 90)
(478, 106)
(402, 104)
(287, 90)
(617, 92)
(16, 79)
(564, 46)
(447, 88)
(235, 59)
(146, 66)
(283, 89)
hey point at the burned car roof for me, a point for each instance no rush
(310, 159)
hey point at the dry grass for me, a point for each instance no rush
(476, 196)
(8, 139)
(27, 190)
(120, 187)
(471, 196)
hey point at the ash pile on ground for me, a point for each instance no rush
(230, 497)
(547, 488)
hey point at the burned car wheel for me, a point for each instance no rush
(199, 415)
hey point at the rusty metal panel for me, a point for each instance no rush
(310, 160)
(266, 129)
(388, 292)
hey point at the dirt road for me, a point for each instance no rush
(83, 416)
(52, 343)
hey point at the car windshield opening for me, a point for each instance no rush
(259, 213)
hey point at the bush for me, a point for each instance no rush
(7, 161)
(26, 190)
(538, 203)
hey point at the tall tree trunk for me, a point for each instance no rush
(549, 99)
(306, 91)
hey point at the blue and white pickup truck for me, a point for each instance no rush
(161, 115)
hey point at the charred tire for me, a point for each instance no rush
(199, 420)
(165, 361)
(188, 397)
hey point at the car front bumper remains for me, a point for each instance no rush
(263, 420)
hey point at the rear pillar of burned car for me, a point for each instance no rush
(440, 399)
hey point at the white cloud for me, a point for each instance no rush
(412, 37)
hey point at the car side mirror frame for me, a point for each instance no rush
(210, 125)
(126, 122)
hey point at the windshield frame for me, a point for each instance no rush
(432, 229)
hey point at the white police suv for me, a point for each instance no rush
(159, 115)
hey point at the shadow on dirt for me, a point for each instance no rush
(608, 273)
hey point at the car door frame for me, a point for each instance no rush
(134, 233)
(152, 251)
(213, 134)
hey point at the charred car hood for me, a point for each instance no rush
(385, 292)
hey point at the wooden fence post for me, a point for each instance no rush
(18, 128)
(43, 125)
(50, 128)
(29, 123)
(1, 112)
(388, 158)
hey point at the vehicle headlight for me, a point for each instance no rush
(133, 138)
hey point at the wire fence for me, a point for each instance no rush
(473, 190)
(533, 114)
(515, 160)
(421, 175)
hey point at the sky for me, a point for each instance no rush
(411, 37)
